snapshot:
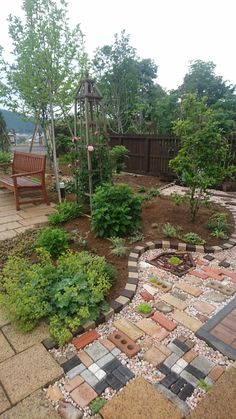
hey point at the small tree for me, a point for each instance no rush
(4, 140)
(201, 161)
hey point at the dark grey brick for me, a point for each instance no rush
(224, 264)
(126, 372)
(114, 382)
(120, 376)
(49, 344)
(169, 379)
(181, 345)
(178, 385)
(186, 392)
(101, 386)
(112, 365)
(195, 371)
(208, 257)
(164, 369)
(71, 363)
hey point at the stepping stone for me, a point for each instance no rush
(162, 285)
(178, 295)
(146, 296)
(171, 360)
(164, 321)
(35, 363)
(192, 280)
(214, 273)
(189, 378)
(216, 297)
(21, 341)
(187, 321)
(96, 351)
(75, 371)
(189, 289)
(6, 350)
(107, 343)
(204, 307)
(70, 364)
(169, 380)
(70, 385)
(4, 402)
(84, 358)
(83, 395)
(161, 334)
(196, 372)
(89, 377)
(129, 329)
(224, 289)
(54, 394)
(101, 386)
(175, 302)
(151, 290)
(216, 372)
(189, 356)
(203, 364)
(112, 365)
(105, 359)
(164, 308)
(124, 343)
(164, 369)
(154, 356)
(175, 349)
(148, 326)
(81, 341)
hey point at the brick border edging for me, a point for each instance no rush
(131, 285)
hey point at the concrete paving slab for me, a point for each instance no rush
(6, 350)
(21, 341)
(36, 406)
(28, 371)
(4, 402)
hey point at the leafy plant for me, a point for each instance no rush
(151, 193)
(66, 293)
(193, 238)
(169, 230)
(177, 198)
(203, 385)
(5, 157)
(65, 211)
(144, 308)
(54, 240)
(118, 246)
(116, 211)
(174, 260)
(141, 189)
(97, 404)
(137, 237)
(219, 225)
(118, 155)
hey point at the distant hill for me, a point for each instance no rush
(17, 123)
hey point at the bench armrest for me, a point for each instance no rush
(26, 174)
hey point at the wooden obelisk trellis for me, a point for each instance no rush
(87, 109)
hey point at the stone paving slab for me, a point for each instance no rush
(28, 371)
(186, 320)
(36, 406)
(129, 329)
(6, 350)
(173, 301)
(4, 402)
(132, 403)
(21, 341)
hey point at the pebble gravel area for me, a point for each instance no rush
(169, 353)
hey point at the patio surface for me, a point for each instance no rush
(97, 360)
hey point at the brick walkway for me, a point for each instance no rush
(14, 222)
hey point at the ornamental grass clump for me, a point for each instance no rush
(66, 293)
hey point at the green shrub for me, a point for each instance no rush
(118, 154)
(97, 404)
(141, 189)
(177, 198)
(144, 308)
(169, 230)
(193, 238)
(151, 193)
(65, 211)
(174, 260)
(218, 225)
(67, 294)
(116, 211)
(118, 247)
(54, 240)
(5, 157)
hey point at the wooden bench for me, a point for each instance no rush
(28, 173)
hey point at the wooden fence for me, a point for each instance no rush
(149, 154)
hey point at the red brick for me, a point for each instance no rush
(161, 334)
(146, 296)
(83, 340)
(83, 395)
(124, 343)
(201, 275)
(231, 274)
(216, 372)
(164, 321)
(201, 262)
(213, 273)
(70, 385)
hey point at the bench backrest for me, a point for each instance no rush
(28, 162)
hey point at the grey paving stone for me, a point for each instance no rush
(187, 391)
(195, 371)
(171, 360)
(70, 364)
(104, 360)
(178, 295)
(203, 364)
(75, 371)
(114, 382)
(170, 379)
(89, 377)
(190, 378)
(126, 372)
(116, 351)
(112, 365)
(175, 349)
(120, 376)
(181, 345)
(183, 407)
(164, 369)
(96, 351)
(101, 386)
(178, 385)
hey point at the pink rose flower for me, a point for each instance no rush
(90, 148)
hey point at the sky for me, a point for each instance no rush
(171, 32)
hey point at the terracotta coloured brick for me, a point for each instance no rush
(187, 321)
(124, 343)
(70, 385)
(154, 356)
(216, 372)
(202, 317)
(231, 274)
(201, 262)
(83, 395)
(85, 359)
(189, 289)
(204, 307)
(189, 356)
(201, 275)
(164, 321)
(161, 334)
(173, 301)
(83, 340)
(214, 273)
(107, 343)
(146, 296)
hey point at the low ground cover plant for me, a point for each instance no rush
(174, 260)
(66, 294)
(118, 247)
(144, 308)
(65, 211)
(97, 404)
(116, 211)
(54, 240)
(193, 238)
(219, 225)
